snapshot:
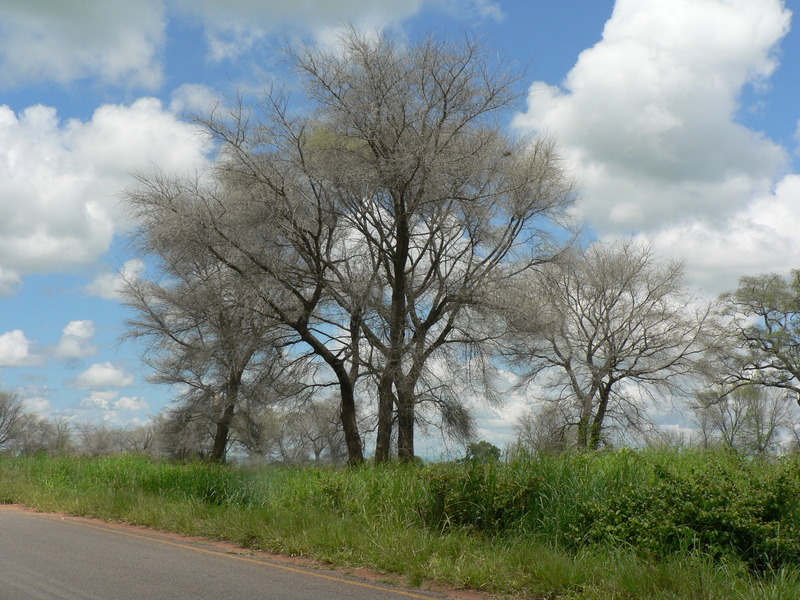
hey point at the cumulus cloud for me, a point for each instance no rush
(61, 180)
(16, 350)
(130, 404)
(103, 375)
(39, 405)
(759, 238)
(115, 40)
(98, 400)
(76, 340)
(192, 98)
(647, 117)
(108, 285)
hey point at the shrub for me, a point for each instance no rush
(728, 508)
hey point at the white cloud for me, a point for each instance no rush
(233, 27)
(759, 238)
(101, 400)
(103, 375)
(67, 40)
(131, 404)
(75, 340)
(16, 350)
(61, 181)
(647, 116)
(10, 282)
(191, 98)
(107, 285)
(39, 405)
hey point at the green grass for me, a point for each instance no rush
(624, 525)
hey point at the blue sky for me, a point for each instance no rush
(679, 119)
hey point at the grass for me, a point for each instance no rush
(623, 525)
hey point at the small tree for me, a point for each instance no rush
(10, 414)
(482, 452)
(544, 429)
(764, 314)
(750, 419)
(610, 326)
(203, 335)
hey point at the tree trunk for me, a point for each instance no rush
(347, 413)
(405, 426)
(347, 409)
(385, 412)
(596, 430)
(223, 431)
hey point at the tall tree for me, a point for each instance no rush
(436, 196)
(375, 225)
(610, 325)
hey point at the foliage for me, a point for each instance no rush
(764, 314)
(484, 496)
(730, 508)
(482, 451)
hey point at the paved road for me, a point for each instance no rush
(47, 557)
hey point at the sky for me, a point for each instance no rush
(678, 119)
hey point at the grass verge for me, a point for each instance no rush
(623, 525)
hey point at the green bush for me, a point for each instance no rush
(484, 496)
(728, 508)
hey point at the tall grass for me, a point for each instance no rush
(609, 525)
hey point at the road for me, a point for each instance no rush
(50, 557)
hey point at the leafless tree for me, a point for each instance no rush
(34, 433)
(751, 419)
(545, 429)
(181, 436)
(309, 431)
(94, 439)
(134, 439)
(10, 413)
(374, 226)
(611, 326)
(202, 333)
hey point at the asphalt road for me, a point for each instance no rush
(48, 557)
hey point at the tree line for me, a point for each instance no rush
(294, 436)
(386, 243)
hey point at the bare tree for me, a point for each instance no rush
(436, 199)
(203, 335)
(134, 439)
(181, 436)
(95, 439)
(751, 419)
(34, 433)
(374, 226)
(309, 431)
(611, 326)
(545, 429)
(10, 413)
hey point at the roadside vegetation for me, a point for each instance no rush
(622, 524)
